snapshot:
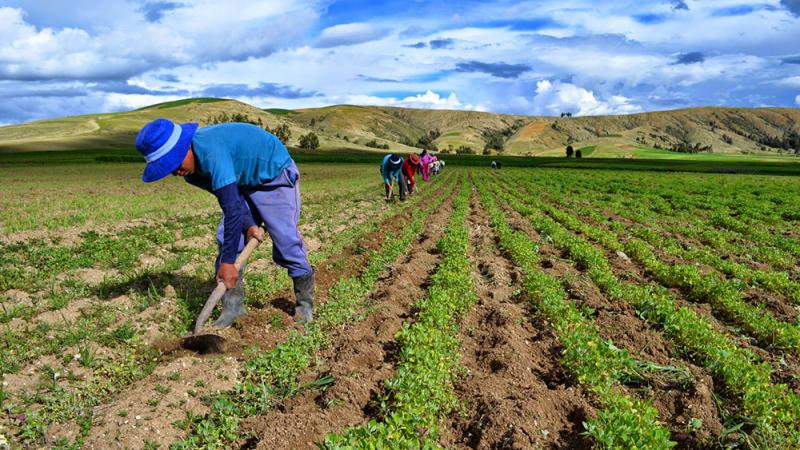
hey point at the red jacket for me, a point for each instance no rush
(409, 170)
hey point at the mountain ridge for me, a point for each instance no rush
(727, 130)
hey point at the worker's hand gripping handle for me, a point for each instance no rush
(219, 291)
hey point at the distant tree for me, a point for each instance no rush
(570, 151)
(495, 139)
(465, 150)
(309, 141)
(727, 139)
(374, 144)
(578, 153)
(281, 132)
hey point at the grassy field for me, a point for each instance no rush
(547, 307)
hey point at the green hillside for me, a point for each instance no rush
(720, 133)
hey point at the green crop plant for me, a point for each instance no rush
(623, 422)
(724, 295)
(773, 408)
(272, 375)
(421, 392)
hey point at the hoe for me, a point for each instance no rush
(211, 342)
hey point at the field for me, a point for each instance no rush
(534, 307)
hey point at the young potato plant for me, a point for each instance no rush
(421, 392)
(725, 296)
(272, 375)
(622, 422)
(772, 408)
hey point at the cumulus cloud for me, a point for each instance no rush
(350, 34)
(500, 70)
(554, 97)
(789, 81)
(427, 100)
(184, 36)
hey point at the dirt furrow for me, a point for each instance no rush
(361, 356)
(515, 392)
(677, 404)
(198, 375)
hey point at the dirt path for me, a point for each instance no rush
(361, 356)
(515, 392)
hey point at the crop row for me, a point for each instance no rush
(774, 281)
(753, 200)
(772, 409)
(724, 295)
(623, 421)
(272, 375)
(650, 229)
(421, 391)
(668, 208)
(109, 376)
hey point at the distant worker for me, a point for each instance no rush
(254, 180)
(425, 161)
(392, 172)
(494, 164)
(410, 167)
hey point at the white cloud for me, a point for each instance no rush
(789, 81)
(349, 34)
(196, 35)
(797, 100)
(427, 100)
(555, 97)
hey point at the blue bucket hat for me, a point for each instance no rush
(164, 145)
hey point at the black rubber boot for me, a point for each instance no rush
(304, 295)
(232, 303)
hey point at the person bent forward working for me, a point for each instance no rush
(255, 182)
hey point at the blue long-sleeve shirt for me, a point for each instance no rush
(228, 158)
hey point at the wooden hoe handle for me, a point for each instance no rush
(219, 291)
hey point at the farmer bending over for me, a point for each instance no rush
(391, 171)
(410, 166)
(255, 181)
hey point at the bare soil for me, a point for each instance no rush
(360, 357)
(150, 410)
(515, 393)
(617, 321)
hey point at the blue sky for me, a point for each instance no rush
(61, 57)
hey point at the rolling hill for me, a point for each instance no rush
(764, 132)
